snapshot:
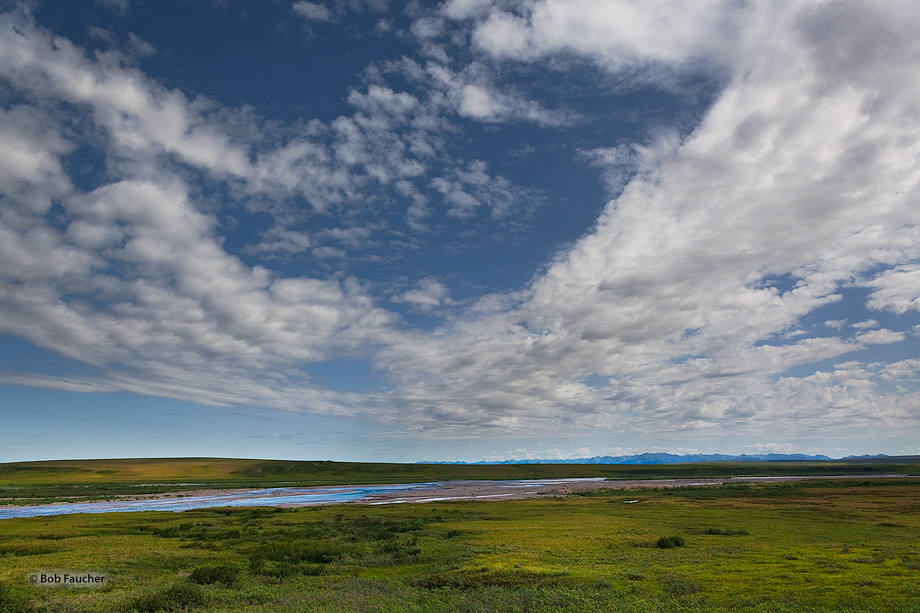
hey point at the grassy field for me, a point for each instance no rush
(841, 545)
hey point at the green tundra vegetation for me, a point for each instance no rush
(831, 545)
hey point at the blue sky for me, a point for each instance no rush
(461, 230)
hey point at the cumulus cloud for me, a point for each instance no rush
(472, 89)
(466, 189)
(897, 289)
(463, 9)
(618, 163)
(310, 11)
(30, 169)
(429, 294)
(335, 10)
(881, 337)
(657, 37)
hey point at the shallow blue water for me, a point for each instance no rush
(269, 497)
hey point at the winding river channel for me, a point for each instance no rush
(303, 496)
(375, 494)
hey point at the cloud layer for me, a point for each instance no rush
(719, 293)
(687, 294)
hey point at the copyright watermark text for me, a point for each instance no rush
(67, 579)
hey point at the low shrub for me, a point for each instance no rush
(298, 551)
(27, 549)
(669, 542)
(634, 575)
(177, 597)
(281, 570)
(727, 531)
(208, 575)
(284, 559)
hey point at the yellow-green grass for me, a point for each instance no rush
(806, 546)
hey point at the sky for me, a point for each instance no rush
(458, 231)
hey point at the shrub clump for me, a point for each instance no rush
(209, 575)
(727, 531)
(177, 597)
(669, 542)
(287, 559)
(27, 549)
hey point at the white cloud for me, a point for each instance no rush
(620, 34)
(472, 92)
(30, 168)
(429, 294)
(896, 289)
(901, 370)
(336, 10)
(462, 9)
(427, 27)
(881, 337)
(281, 240)
(465, 189)
(310, 11)
(139, 116)
(477, 103)
(618, 163)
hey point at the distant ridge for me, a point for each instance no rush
(670, 458)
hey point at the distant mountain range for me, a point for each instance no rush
(670, 458)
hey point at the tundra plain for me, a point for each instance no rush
(850, 544)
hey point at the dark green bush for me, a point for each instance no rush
(208, 575)
(727, 531)
(285, 559)
(27, 549)
(669, 542)
(281, 570)
(318, 552)
(177, 597)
